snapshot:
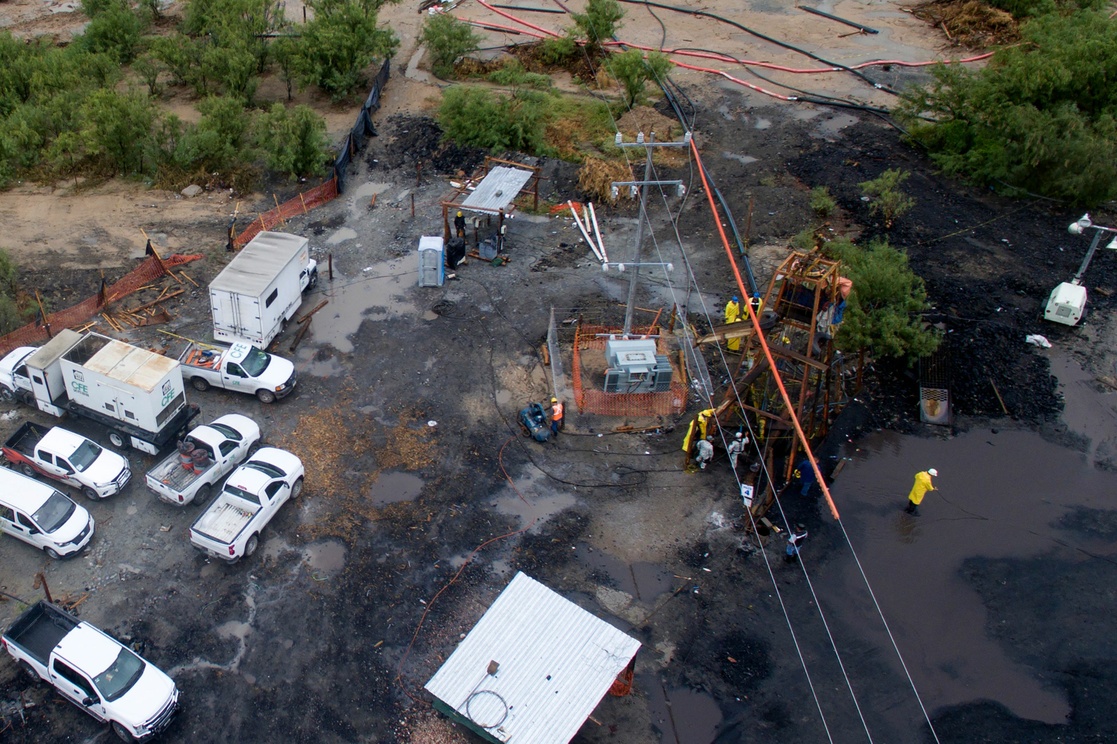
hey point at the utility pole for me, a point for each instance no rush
(642, 214)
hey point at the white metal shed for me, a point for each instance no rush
(533, 668)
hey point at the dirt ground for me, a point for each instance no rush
(405, 417)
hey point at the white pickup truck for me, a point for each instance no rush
(240, 367)
(15, 381)
(68, 457)
(93, 671)
(204, 457)
(230, 528)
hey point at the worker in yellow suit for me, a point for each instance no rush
(733, 315)
(919, 489)
(704, 421)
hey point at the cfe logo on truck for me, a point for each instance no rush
(79, 387)
(168, 392)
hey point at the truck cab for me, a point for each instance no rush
(68, 457)
(15, 381)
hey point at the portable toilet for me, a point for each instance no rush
(432, 262)
(1066, 304)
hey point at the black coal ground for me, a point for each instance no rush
(353, 671)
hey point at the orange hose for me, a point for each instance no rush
(760, 336)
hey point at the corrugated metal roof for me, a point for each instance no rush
(556, 661)
(497, 189)
(256, 265)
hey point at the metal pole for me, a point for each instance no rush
(1089, 256)
(640, 217)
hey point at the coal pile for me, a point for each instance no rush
(408, 140)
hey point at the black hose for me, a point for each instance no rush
(765, 37)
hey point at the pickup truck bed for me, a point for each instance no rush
(171, 473)
(225, 520)
(26, 437)
(40, 630)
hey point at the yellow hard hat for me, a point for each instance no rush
(459, 213)
(554, 400)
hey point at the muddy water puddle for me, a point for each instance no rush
(394, 487)
(535, 509)
(681, 715)
(1001, 494)
(644, 581)
(378, 292)
(326, 557)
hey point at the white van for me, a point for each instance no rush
(42, 516)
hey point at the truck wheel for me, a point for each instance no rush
(200, 384)
(121, 732)
(201, 496)
(297, 488)
(116, 439)
(251, 545)
(265, 396)
(29, 672)
(52, 553)
(28, 470)
(6, 393)
(90, 494)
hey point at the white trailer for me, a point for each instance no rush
(261, 289)
(137, 394)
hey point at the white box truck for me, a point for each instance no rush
(136, 394)
(261, 289)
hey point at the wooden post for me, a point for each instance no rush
(671, 323)
(330, 260)
(412, 206)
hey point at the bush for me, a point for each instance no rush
(557, 51)
(114, 29)
(822, 203)
(883, 310)
(339, 43)
(448, 40)
(886, 198)
(633, 71)
(598, 24)
(513, 74)
(1041, 117)
(293, 140)
(481, 118)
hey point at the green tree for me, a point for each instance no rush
(1040, 117)
(598, 24)
(231, 70)
(293, 140)
(285, 52)
(116, 131)
(886, 198)
(182, 56)
(220, 141)
(481, 118)
(148, 68)
(114, 29)
(633, 71)
(340, 42)
(448, 40)
(883, 312)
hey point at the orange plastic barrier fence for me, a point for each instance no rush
(594, 400)
(301, 204)
(36, 333)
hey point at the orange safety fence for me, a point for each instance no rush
(37, 332)
(301, 204)
(595, 400)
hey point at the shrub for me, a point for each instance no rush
(293, 140)
(557, 51)
(883, 310)
(513, 74)
(633, 71)
(598, 24)
(822, 203)
(886, 198)
(481, 118)
(339, 43)
(448, 40)
(1039, 117)
(114, 29)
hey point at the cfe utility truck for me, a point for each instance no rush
(136, 394)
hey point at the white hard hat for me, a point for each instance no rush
(739, 435)
(933, 472)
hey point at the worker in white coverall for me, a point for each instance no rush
(705, 452)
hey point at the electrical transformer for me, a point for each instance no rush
(635, 367)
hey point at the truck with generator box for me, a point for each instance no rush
(204, 457)
(260, 290)
(240, 367)
(68, 457)
(136, 394)
(92, 670)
